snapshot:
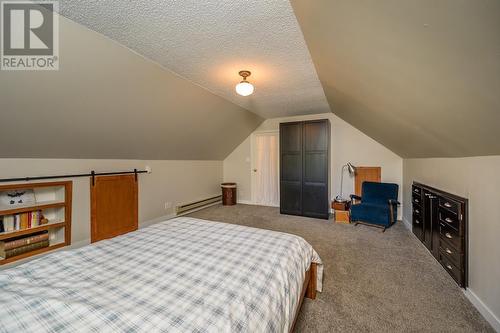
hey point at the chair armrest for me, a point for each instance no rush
(355, 197)
(394, 202)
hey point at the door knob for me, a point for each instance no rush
(254, 170)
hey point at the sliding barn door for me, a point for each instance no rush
(114, 206)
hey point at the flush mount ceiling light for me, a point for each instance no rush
(244, 88)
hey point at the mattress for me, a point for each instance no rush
(180, 275)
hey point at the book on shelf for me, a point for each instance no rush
(22, 221)
(17, 222)
(34, 218)
(23, 249)
(8, 223)
(23, 218)
(16, 242)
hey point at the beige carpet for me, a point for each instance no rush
(374, 282)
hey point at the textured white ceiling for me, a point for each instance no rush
(208, 42)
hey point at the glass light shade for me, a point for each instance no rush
(244, 88)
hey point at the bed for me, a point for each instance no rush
(180, 275)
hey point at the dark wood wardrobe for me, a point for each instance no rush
(305, 168)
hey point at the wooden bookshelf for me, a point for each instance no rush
(31, 253)
(17, 233)
(30, 208)
(54, 200)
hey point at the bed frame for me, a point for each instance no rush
(308, 290)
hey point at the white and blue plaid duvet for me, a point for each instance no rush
(181, 275)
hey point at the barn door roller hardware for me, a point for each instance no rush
(91, 174)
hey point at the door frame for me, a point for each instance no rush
(253, 145)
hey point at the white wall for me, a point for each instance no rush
(171, 181)
(347, 145)
(478, 179)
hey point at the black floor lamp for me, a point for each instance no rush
(352, 171)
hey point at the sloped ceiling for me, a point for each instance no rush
(210, 41)
(421, 77)
(108, 102)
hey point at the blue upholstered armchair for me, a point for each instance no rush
(379, 205)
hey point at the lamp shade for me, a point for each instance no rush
(244, 88)
(351, 168)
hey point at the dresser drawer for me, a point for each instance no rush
(416, 190)
(449, 218)
(450, 205)
(450, 235)
(416, 199)
(417, 219)
(451, 253)
(454, 271)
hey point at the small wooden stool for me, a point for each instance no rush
(341, 211)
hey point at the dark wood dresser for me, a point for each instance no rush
(440, 222)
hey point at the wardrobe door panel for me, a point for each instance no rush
(316, 136)
(291, 168)
(291, 137)
(315, 165)
(315, 200)
(291, 198)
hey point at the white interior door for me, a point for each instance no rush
(265, 169)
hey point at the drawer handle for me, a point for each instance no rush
(448, 220)
(447, 204)
(449, 267)
(448, 251)
(417, 221)
(416, 200)
(448, 235)
(417, 211)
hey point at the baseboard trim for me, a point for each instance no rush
(483, 309)
(245, 202)
(248, 202)
(162, 218)
(158, 219)
(470, 295)
(407, 224)
(76, 245)
(199, 208)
